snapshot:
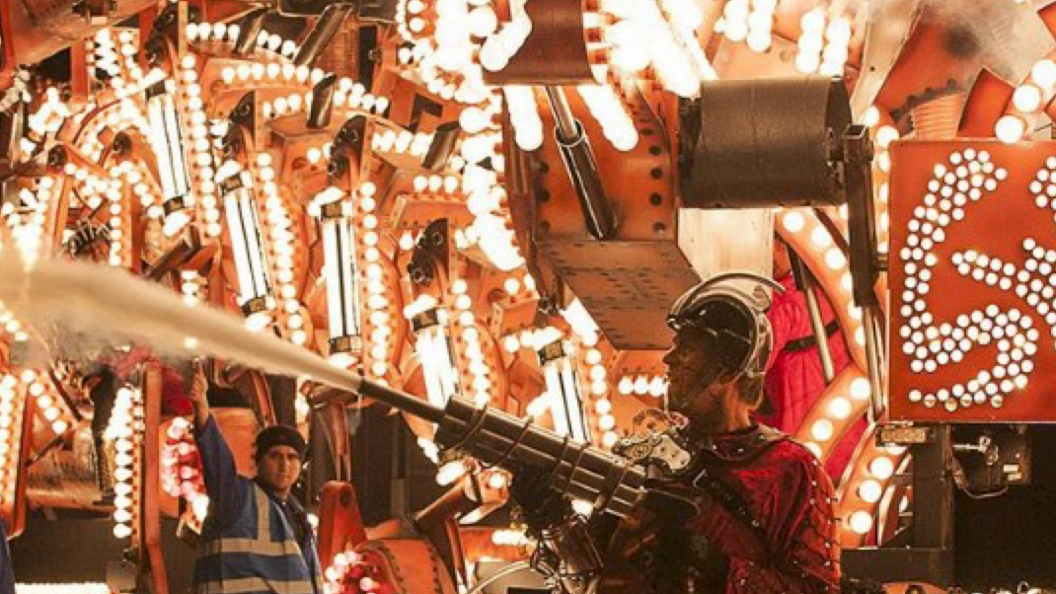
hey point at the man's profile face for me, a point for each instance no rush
(685, 361)
(280, 467)
(695, 388)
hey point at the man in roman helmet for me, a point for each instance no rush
(735, 507)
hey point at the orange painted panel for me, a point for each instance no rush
(973, 281)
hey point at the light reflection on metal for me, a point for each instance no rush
(240, 206)
(566, 405)
(434, 351)
(167, 141)
(342, 284)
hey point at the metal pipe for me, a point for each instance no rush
(821, 337)
(322, 103)
(568, 128)
(598, 212)
(249, 28)
(322, 32)
(444, 139)
(873, 363)
(400, 400)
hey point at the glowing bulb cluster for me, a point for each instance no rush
(966, 178)
(443, 38)
(381, 286)
(673, 51)
(181, 474)
(51, 115)
(823, 47)
(846, 399)
(27, 222)
(472, 352)
(202, 163)
(282, 238)
(349, 573)
(402, 142)
(49, 404)
(643, 385)
(752, 22)
(18, 92)
(1028, 99)
(11, 410)
(524, 116)
(215, 32)
(125, 432)
(883, 135)
(608, 109)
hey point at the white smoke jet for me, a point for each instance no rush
(112, 305)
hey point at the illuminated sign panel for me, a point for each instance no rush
(973, 281)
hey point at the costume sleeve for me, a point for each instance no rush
(227, 491)
(804, 554)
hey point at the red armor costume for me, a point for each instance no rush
(761, 523)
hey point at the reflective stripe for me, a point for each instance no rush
(255, 584)
(263, 515)
(250, 561)
(249, 545)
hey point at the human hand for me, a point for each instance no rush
(198, 394)
(541, 506)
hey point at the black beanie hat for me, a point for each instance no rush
(279, 435)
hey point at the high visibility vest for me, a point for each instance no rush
(248, 556)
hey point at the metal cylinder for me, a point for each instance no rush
(768, 142)
(598, 213)
(322, 32)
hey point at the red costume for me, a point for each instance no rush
(794, 377)
(761, 522)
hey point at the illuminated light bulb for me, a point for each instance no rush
(821, 237)
(870, 491)
(822, 430)
(122, 531)
(1027, 98)
(860, 389)
(882, 468)
(793, 222)
(885, 135)
(1044, 73)
(1010, 129)
(807, 63)
(840, 408)
(759, 40)
(835, 259)
(861, 522)
(450, 472)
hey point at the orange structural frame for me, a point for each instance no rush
(973, 281)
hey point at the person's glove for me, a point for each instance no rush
(541, 506)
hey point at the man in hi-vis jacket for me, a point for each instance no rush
(256, 538)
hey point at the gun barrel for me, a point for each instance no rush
(498, 438)
(401, 400)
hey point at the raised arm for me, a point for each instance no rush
(227, 491)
